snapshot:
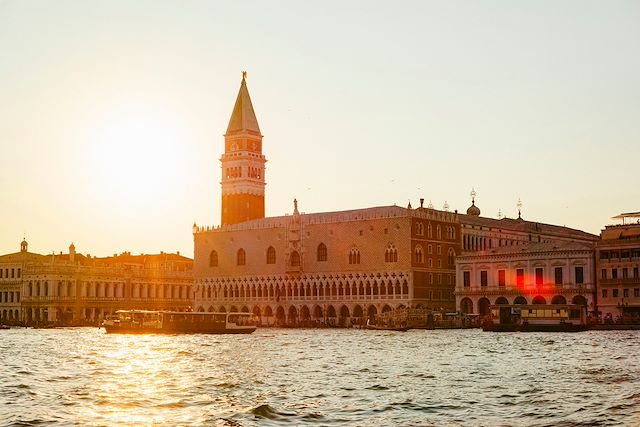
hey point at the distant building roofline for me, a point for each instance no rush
(622, 216)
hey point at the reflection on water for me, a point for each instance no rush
(323, 377)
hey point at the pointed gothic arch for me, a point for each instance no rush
(321, 252)
(271, 255)
(451, 257)
(418, 254)
(241, 257)
(213, 258)
(354, 256)
(294, 259)
(391, 253)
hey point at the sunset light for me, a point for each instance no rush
(136, 156)
(286, 213)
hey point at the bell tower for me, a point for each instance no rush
(243, 163)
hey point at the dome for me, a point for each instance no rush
(473, 209)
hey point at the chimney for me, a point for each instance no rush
(421, 202)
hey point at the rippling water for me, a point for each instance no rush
(322, 377)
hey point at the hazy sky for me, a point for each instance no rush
(112, 112)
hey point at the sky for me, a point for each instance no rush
(112, 114)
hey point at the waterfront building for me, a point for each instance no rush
(74, 289)
(617, 266)
(334, 267)
(515, 261)
(11, 267)
(535, 273)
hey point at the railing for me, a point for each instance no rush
(73, 299)
(612, 260)
(305, 298)
(623, 281)
(529, 288)
(90, 272)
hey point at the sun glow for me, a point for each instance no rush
(136, 157)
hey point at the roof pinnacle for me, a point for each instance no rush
(243, 118)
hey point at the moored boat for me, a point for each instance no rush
(536, 318)
(177, 322)
(388, 325)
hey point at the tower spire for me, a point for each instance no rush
(243, 118)
(243, 163)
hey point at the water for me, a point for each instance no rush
(320, 377)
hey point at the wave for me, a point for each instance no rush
(268, 412)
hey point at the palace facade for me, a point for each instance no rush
(514, 261)
(77, 289)
(334, 268)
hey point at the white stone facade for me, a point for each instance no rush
(535, 273)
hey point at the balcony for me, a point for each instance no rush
(627, 281)
(604, 261)
(528, 288)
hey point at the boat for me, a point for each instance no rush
(178, 322)
(536, 318)
(386, 325)
(4, 327)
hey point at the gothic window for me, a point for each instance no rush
(391, 254)
(241, 257)
(419, 229)
(439, 232)
(419, 257)
(429, 230)
(271, 255)
(322, 252)
(295, 259)
(213, 259)
(451, 257)
(354, 256)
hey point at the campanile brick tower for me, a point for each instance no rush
(243, 163)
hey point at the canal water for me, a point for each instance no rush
(82, 376)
